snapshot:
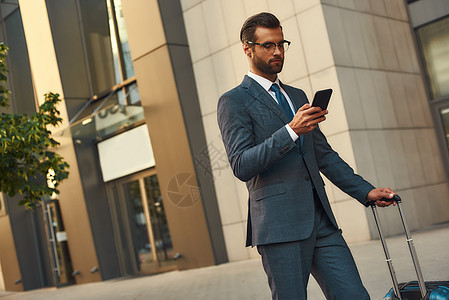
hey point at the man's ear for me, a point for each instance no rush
(246, 49)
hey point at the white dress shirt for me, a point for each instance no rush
(266, 84)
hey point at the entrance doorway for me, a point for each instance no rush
(141, 231)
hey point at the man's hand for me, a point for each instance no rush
(377, 194)
(306, 119)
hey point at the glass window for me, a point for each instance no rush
(114, 46)
(434, 42)
(110, 114)
(118, 106)
(115, 116)
(120, 48)
(98, 44)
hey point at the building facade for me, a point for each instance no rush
(150, 189)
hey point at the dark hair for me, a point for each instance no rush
(263, 19)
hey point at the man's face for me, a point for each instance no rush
(263, 63)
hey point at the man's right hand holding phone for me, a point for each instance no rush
(307, 118)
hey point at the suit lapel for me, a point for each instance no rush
(259, 94)
(296, 99)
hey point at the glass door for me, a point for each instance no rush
(140, 225)
(62, 265)
(163, 248)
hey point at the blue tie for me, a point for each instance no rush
(282, 101)
(285, 107)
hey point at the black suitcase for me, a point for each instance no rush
(413, 290)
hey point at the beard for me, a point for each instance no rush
(266, 67)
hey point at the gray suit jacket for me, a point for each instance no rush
(279, 176)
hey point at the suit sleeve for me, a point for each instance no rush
(248, 159)
(337, 170)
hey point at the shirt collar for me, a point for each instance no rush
(265, 83)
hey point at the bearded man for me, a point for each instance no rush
(274, 144)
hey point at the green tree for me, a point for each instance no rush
(26, 160)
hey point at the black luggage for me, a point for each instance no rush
(413, 290)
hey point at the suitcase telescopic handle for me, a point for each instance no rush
(395, 198)
(387, 254)
(411, 246)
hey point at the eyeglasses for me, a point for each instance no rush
(270, 46)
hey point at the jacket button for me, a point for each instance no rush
(307, 178)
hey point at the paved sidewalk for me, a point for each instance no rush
(246, 279)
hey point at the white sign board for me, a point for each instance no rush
(126, 153)
(61, 236)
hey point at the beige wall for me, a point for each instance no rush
(390, 126)
(361, 49)
(2, 283)
(9, 265)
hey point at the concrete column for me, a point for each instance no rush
(46, 78)
(390, 130)
(379, 118)
(153, 65)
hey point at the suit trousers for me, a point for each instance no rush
(324, 254)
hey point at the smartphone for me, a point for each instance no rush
(322, 98)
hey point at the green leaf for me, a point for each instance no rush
(25, 142)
